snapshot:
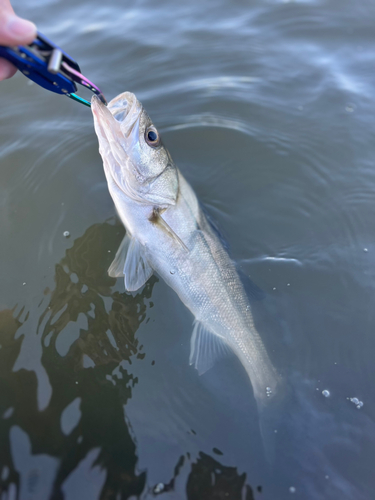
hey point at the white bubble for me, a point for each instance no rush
(326, 393)
(159, 488)
(66, 234)
(292, 489)
(365, 249)
(357, 402)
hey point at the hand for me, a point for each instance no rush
(13, 31)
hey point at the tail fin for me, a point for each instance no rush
(271, 407)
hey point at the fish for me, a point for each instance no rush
(168, 233)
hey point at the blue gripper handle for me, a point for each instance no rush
(33, 65)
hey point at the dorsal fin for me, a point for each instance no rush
(212, 224)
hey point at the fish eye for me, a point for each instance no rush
(152, 137)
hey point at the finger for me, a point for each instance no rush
(7, 69)
(5, 8)
(15, 30)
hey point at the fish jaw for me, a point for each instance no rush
(121, 116)
(117, 165)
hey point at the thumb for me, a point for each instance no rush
(15, 30)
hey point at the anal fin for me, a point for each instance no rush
(205, 348)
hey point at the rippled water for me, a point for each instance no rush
(267, 108)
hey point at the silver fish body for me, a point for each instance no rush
(168, 233)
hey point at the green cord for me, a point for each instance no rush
(75, 97)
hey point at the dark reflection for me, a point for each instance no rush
(10, 385)
(87, 334)
(210, 480)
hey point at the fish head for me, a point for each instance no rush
(134, 157)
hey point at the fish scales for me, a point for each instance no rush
(168, 233)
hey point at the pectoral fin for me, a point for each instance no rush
(131, 263)
(137, 270)
(205, 348)
(116, 269)
(158, 220)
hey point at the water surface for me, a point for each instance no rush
(267, 107)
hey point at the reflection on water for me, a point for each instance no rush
(83, 424)
(210, 480)
(79, 442)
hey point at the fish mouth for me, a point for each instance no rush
(120, 118)
(126, 109)
(117, 129)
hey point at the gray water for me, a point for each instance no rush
(268, 108)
